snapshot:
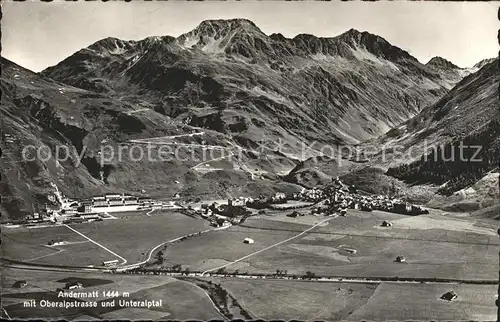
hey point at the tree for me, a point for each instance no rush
(159, 257)
(310, 275)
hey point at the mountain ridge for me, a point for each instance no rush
(221, 64)
(40, 112)
(441, 62)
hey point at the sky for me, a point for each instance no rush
(36, 35)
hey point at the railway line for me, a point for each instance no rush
(270, 276)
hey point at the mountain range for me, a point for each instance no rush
(231, 77)
(226, 85)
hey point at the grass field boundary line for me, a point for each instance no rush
(132, 266)
(43, 256)
(268, 247)
(372, 236)
(93, 241)
(20, 241)
(6, 314)
(242, 305)
(323, 279)
(208, 295)
(53, 268)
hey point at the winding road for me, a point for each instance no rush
(151, 252)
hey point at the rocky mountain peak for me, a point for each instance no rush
(219, 25)
(374, 44)
(484, 62)
(220, 28)
(225, 36)
(440, 62)
(111, 45)
(278, 37)
(351, 34)
(350, 41)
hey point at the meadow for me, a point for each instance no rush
(434, 246)
(131, 237)
(181, 300)
(308, 300)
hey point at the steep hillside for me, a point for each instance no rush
(482, 194)
(456, 141)
(469, 109)
(482, 63)
(448, 70)
(99, 141)
(228, 76)
(320, 170)
(426, 150)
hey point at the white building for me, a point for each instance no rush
(248, 241)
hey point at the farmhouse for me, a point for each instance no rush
(400, 259)
(220, 222)
(54, 242)
(110, 263)
(248, 241)
(294, 214)
(74, 285)
(386, 224)
(20, 284)
(449, 296)
(236, 202)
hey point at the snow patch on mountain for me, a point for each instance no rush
(364, 55)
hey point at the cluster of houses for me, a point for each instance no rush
(97, 208)
(222, 215)
(265, 202)
(310, 195)
(338, 197)
(118, 203)
(39, 218)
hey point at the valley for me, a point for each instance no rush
(314, 256)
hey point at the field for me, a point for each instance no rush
(422, 302)
(131, 237)
(297, 300)
(180, 300)
(303, 300)
(220, 247)
(438, 245)
(29, 244)
(435, 246)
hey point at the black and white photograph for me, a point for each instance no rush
(250, 160)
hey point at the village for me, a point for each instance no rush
(334, 199)
(97, 208)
